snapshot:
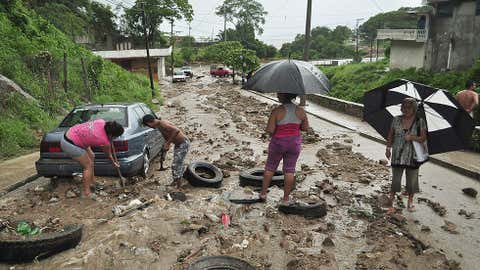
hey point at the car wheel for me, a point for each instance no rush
(203, 174)
(145, 165)
(254, 177)
(47, 244)
(220, 262)
(314, 210)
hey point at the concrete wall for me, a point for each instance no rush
(350, 108)
(407, 54)
(462, 31)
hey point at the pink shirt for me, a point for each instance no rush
(287, 130)
(90, 133)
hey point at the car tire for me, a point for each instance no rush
(254, 177)
(220, 262)
(145, 165)
(198, 181)
(315, 210)
(27, 250)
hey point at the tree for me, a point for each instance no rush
(243, 12)
(156, 11)
(325, 43)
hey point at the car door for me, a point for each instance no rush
(157, 138)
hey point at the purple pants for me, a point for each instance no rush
(286, 148)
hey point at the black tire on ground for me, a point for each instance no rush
(315, 210)
(198, 181)
(254, 177)
(47, 245)
(220, 262)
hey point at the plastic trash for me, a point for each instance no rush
(225, 220)
(24, 228)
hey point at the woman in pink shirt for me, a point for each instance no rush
(79, 139)
(284, 126)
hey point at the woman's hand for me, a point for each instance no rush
(409, 137)
(388, 153)
(116, 164)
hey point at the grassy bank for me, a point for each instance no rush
(32, 54)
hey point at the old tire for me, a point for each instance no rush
(27, 250)
(197, 180)
(254, 177)
(220, 262)
(315, 210)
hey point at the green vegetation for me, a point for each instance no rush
(325, 43)
(349, 82)
(248, 17)
(31, 54)
(157, 11)
(232, 54)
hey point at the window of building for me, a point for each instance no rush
(445, 9)
(477, 10)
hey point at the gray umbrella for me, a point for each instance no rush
(288, 76)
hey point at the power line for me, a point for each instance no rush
(377, 5)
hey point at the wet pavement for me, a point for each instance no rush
(225, 126)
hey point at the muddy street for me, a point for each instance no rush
(225, 126)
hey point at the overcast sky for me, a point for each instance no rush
(285, 18)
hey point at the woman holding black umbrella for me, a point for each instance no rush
(284, 126)
(405, 129)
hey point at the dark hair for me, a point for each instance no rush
(148, 118)
(113, 129)
(287, 97)
(469, 84)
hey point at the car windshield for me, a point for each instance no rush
(187, 68)
(83, 115)
(179, 73)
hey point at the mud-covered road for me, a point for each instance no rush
(225, 125)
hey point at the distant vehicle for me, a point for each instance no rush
(135, 148)
(219, 71)
(179, 76)
(188, 71)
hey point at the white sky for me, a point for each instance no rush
(285, 18)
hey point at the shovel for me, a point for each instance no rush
(163, 152)
(122, 179)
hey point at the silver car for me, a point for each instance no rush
(135, 148)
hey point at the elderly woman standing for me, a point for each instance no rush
(284, 126)
(404, 130)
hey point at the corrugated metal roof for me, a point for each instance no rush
(122, 54)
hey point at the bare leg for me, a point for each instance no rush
(392, 198)
(91, 155)
(289, 181)
(267, 179)
(87, 165)
(410, 205)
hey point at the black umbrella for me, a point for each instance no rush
(449, 126)
(288, 76)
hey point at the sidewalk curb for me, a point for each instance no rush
(466, 172)
(19, 184)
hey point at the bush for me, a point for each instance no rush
(31, 50)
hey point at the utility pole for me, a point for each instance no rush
(172, 44)
(307, 42)
(224, 26)
(358, 37)
(307, 31)
(189, 29)
(144, 17)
